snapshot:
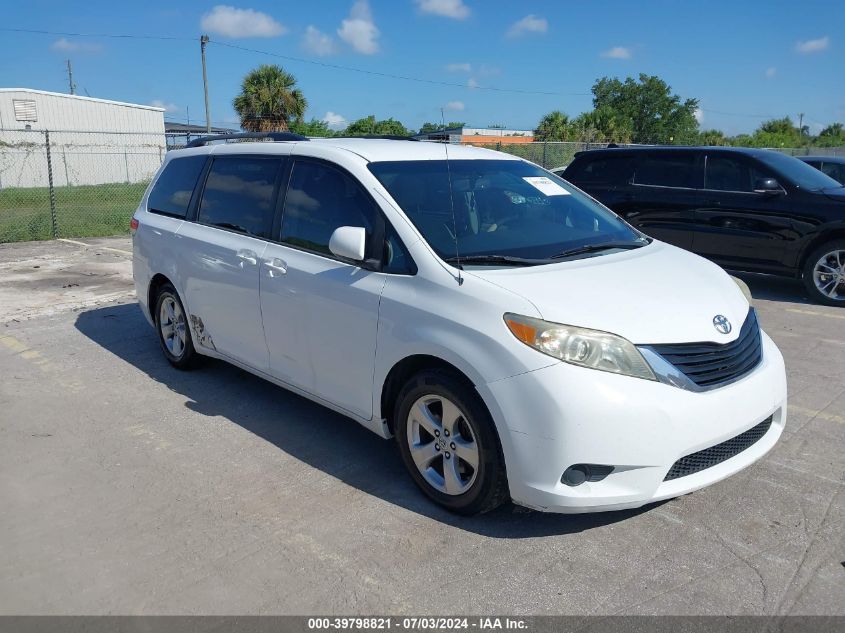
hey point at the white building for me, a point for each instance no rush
(92, 141)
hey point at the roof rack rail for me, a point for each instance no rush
(274, 136)
(385, 137)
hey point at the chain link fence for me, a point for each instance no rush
(87, 184)
(56, 183)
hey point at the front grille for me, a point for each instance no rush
(712, 364)
(719, 453)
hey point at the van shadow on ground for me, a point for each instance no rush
(328, 441)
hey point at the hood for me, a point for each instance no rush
(835, 193)
(654, 294)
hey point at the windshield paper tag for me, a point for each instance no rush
(546, 186)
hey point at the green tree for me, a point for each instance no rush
(712, 138)
(777, 133)
(648, 108)
(269, 100)
(314, 127)
(603, 125)
(369, 125)
(430, 128)
(553, 127)
(831, 136)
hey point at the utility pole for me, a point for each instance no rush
(203, 42)
(800, 127)
(70, 78)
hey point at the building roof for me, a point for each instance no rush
(81, 98)
(174, 127)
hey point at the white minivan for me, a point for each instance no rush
(517, 338)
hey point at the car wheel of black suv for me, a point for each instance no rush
(449, 444)
(824, 273)
(174, 335)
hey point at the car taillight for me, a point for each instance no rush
(133, 225)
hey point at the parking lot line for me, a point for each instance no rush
(814, 313)
(822, 415)
(104, 248)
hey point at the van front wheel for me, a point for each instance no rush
(449, 444)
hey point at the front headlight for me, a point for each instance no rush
(580, 346)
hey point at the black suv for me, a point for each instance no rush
(746, 209)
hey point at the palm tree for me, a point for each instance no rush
(268, 101)
(553, 127)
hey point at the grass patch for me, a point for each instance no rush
(81, 211)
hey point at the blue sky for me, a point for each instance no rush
(745, 60)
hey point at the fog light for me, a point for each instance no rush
(577, 474)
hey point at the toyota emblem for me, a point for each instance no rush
(721, 323)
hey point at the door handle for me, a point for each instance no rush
(247, 257)
(276, 266)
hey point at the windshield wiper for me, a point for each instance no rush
(495, 259)
(601, 246)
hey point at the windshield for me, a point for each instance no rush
(501, 208)
(798, 172)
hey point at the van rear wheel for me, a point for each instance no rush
(449, 443)
(824, 274)
(174, 335)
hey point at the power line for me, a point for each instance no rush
(110, 35)
(376, 73)
(354, 69)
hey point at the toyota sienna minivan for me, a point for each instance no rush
(518, 339)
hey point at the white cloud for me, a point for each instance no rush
(771, 71)
(168, 107)
(617, 52)
(459, 67)
(455, 9)
(64, 45)
(529, 24)
(334, 120)
(231, 22)
(359, 30)
(318, 43)
(472, 83)
(455, 106)
(813, 46)
(699, 115)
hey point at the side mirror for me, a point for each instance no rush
(349, 242)
(767, 185)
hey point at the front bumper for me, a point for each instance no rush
(561, 415)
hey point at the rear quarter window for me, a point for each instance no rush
(171, 193)
(605, 170)
(667, 170)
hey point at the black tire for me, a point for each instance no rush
(489, 488)
(186, 356)
(809, 279)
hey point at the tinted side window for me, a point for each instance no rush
(239, 194)
(726, 173)
(834, 170)
(171, 194)
(609, 170)
(668, 170)
(397, 259)
(319, 200)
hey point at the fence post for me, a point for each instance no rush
(54, 224)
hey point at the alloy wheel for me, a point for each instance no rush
(442, 445)
(829, 274)
(172, 326)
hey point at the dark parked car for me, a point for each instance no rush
(833, 166)
(746, 209)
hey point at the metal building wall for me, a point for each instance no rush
(92, 141)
